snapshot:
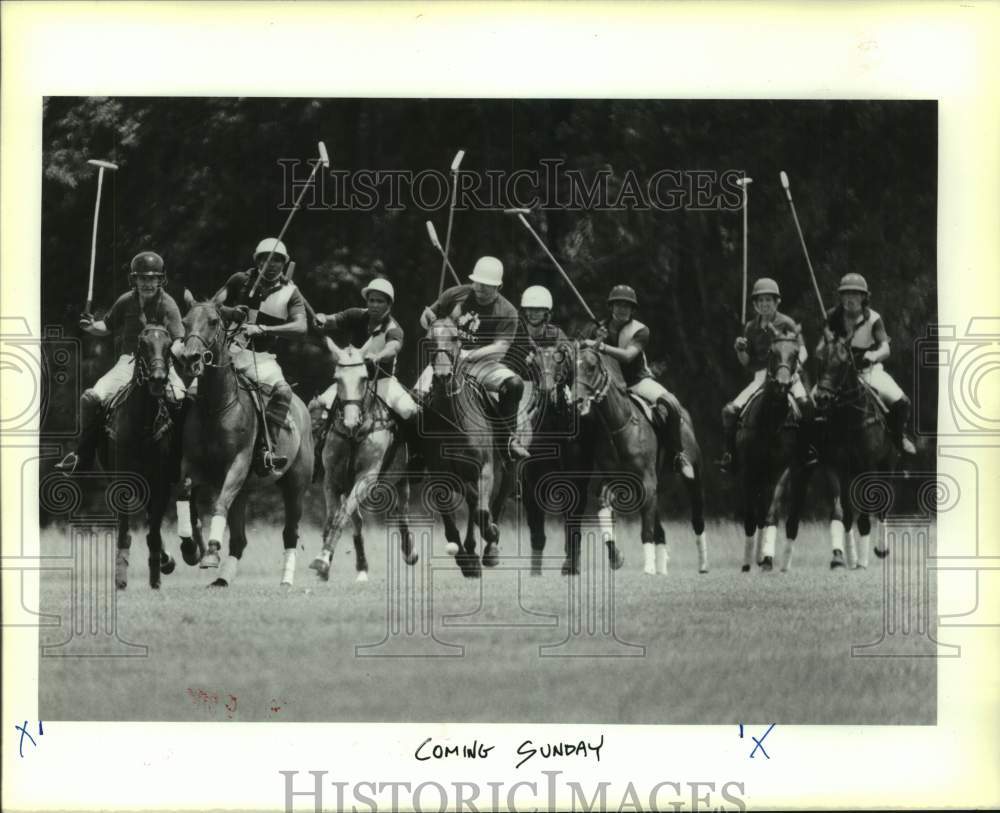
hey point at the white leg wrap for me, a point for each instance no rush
(288, 572)
(227, 572)
(184, 519)
(702, 543)
(749, 549)
(770, 536)
(649, 555)
(787, 561)
(836, 534)
(864, 546)
(218, 529)
(661, 559)
(606, 522)
(851, 553)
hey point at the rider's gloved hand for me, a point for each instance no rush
(741, 344)
(427, 317)
(86, 321)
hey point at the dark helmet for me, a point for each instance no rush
(623, 293)
(146, 264)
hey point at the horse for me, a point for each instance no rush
(142, 438)
(857, 437)
(765, 450)
(458, 408)
(359, 453)
(220, 434)
(549, 437)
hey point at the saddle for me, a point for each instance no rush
(647, 410)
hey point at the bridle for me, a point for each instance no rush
(144, 369)
(772, 373)
(598, 390)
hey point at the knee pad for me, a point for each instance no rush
(513, 386)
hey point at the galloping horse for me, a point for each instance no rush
(219, 438)
(765, 449)
(143, 439)
(858, 440)
(632, 442)
(358, 455)
(459, 409)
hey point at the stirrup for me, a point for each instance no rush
(682, 465)
(270, 461)
(725, 463)
(515, 451)
(907, 446)
(68, 464)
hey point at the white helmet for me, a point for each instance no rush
(488, 271)
(382, 286)
(268, 244)
(537, 296)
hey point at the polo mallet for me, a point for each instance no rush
(521, 216)
(432, 233)
(324, 160)
(744, 182)
(103, 165)
(802, 240)
(451, 215)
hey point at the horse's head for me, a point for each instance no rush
(782, 361)
(152, 359)
(836, 370)
(591, 379)
(445, 346)
(204, 337)
(351, 378)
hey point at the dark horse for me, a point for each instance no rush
(359, 457)
(625, 437)
(219, 438)
(857, 439)
(457, 425)
(765, 449)
(143, 439)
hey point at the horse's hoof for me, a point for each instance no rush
(319, 564)
(838, 560)
(362, 576)
(411, 559)
(189, 551)
(491, 556)
(881, 553)
(492, 534)
(615, 557)
(767, 563)
(745, 569)
(154, 585)
(210, 559)
(451, 548)
(703, 569)
(121, 584)
(167, 564)
(219, 583)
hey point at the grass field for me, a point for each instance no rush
(719, 648)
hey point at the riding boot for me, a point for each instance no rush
(510, 397)
(730, 418)
(899, 416)
(805, 444)
(320, 429)
(409, 433)
(91, 417)
(671, 438)
(276, 415)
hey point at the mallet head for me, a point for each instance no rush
(458, 160)
(324, 159)
(784, 179)
(744, 181)
(102, 164)
(432, 233)
(517, 211)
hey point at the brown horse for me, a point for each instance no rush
(143, 439)
(765, 449)
(219, 438)
(857, 439)
(359, 457)
(457, 429)
(625, 438)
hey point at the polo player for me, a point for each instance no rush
(624, 338)
(274, 311)
(487, 324)
(379, 337)
(862, 327)
(752, 350)
(145, 304)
